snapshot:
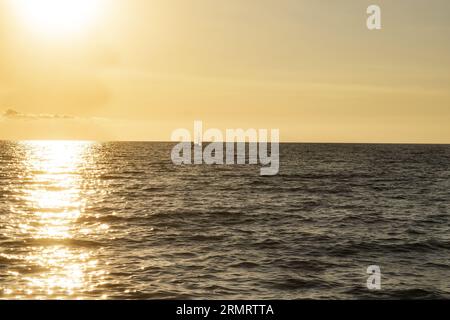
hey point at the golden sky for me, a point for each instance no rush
(138, 69)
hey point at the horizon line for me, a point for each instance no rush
(208, 142)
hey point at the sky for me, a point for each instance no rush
(139, 69)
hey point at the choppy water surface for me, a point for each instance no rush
(118, 220)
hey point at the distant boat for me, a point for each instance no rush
(198, 140)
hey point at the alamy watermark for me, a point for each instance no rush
(235, 146)
(374, 19)
(374, 280)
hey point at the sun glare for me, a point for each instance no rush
(57, 17)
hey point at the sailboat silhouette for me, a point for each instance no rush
(198, 139)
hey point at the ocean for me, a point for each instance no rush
(85, 220)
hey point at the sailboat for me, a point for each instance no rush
(198, 139)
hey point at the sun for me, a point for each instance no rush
(57, 17)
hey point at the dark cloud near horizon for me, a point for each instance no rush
(15, 115)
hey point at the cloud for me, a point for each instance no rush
(15, 115)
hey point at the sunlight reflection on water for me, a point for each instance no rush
(61, 270)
